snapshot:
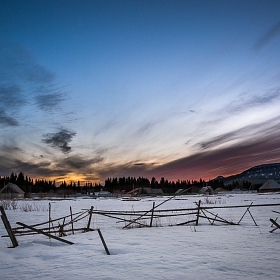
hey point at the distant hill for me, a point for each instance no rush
(256, 175)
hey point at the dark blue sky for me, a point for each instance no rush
(97, 89)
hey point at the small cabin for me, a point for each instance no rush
(11, 191)
(270, 186)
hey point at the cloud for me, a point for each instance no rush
(10, 97)
(37, 74)
(130, 169)
(145, 128)
(18, 65)
(59, 140)
(221, 139)
(268, 36)
(243, 102)
(262, 146)
(49, 101)
(11, 101)
(44, 167)
(25, 82)
(78, 162)
(11, 161)
(7, 120)
(247, 132)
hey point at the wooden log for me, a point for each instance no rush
(275, 223)
(185, 223)
(136, 213)
(220, 218)
(44, 223)
(157, 216)
(221, 221)
(121, 219)
(103, 242)
(214, 219)
(31, 232)
(45, 233)
(202, 211)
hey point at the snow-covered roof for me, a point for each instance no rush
(12, 188)
(270, 184)
(207, 189)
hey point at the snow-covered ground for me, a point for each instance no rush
(205, 251)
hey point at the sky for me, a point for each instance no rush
(176, 89)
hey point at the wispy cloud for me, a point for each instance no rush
(11, 97)
(262, 146)
(245, 101)
(49, 101)
(268, 36)
(11, 101)
(257, 130)
(24, 82)
(6, 120)
(221, 139)
(79, 163)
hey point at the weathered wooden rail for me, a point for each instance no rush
(63, 228)
(140, 218)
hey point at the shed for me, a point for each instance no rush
(11, 191)
(207, 190)
(153, 191)
(270, 186)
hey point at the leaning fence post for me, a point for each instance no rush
(103, 241)
(198, 210)
(49, 218)
(72, 226)
(152, 215)
(247, 210)
(252, 218)
(89, 219)
(8, 227)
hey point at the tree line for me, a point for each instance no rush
(115, 185)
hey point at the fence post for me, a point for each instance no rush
(152, 215)
(89, 219)
(103, 241)
(198, 210)
(8, 227)
(72, 226)
(50, 218)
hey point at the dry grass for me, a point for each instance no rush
(24, 206)
(213, 200)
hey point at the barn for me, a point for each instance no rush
(270, 186)
(207, 190)
(11, 191)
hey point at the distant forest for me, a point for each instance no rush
(114, 185)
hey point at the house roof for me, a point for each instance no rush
(12, 188)
(270, 184)
(207, 189)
